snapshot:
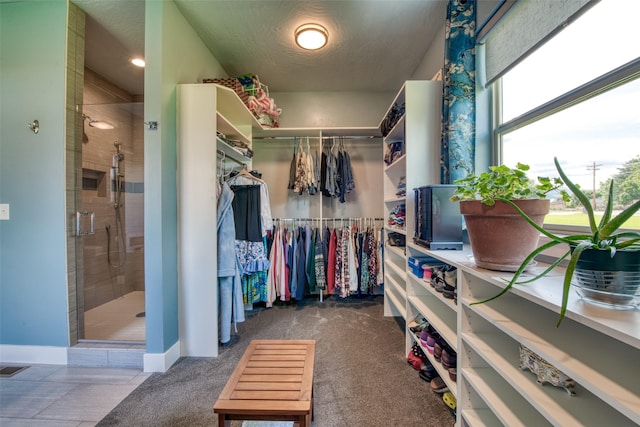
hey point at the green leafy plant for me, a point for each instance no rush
(505, 183)
(603, 236)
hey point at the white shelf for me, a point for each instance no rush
(552, 402)
(396, 199)
(398, 165)
(238, 120)
(419, 129)
(439, 316)
(598, 348)
(230, 130)
(231, 152)
(509, 407)
(395, 230)
(421, 284)
(397, 250)
(399, 99)
(401, 272)
(396, 134)
(570, 348)
(479, 417)
(396, 295)
(316, 132)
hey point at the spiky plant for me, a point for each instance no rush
(604, 236)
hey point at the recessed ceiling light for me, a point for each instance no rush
(138, 62)
(311, 36)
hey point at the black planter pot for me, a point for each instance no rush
(610, 281)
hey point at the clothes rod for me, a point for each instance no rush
(315, 137)
(330, 219)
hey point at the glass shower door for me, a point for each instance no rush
(110, 224)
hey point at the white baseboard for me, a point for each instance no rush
(33, 354)
(161, 362)
(46, 355)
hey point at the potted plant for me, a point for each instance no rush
(489, 218)
(605, 262)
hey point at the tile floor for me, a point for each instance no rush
(71, 396)
(61, 396)
(117, 319)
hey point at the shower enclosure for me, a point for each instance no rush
(109, 224)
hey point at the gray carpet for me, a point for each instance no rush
(361, 376)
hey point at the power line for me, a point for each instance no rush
(593, 168)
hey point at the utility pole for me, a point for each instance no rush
(594, 168)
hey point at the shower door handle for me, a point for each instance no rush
(79, 222)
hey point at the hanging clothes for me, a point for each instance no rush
(229, 269)
(304, 170)
(298, 266)
(311, 262)
(332, 261)
(245, 178)
(292, 169)
(252, 212)
(246, 211)
(336, 173)
(319, 263)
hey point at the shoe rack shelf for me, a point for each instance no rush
(395, 280)
(419, 129)
(440, 369)
(598, 348)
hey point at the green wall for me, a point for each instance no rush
(33, 277)
(174, 55)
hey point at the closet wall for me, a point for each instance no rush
(272, 157)
(331, 109)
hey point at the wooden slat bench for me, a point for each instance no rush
(273, 382)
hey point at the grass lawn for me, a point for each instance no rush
(581, 219)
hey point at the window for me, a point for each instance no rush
(577, 97)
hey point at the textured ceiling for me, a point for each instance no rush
(374, 45)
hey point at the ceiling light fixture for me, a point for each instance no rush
(311, 36)
(138, 62)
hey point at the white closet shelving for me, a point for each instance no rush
(419, 129)
(598, 348)
(202, 111)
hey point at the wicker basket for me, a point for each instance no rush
(231, 84)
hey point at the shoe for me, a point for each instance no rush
(427, 366)
(443, 287)
(424, 335)
(453, 374)
(234, 339)
(437, 351)
(431, 342)
(438, 385)
(449, 294)
(437, 281)
(450, 400)
(448, 358)
(428, 376)
(418, 352)
(418, 324)
(451, 277)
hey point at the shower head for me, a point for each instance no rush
(97, 123)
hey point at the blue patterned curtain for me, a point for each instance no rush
(459, 97)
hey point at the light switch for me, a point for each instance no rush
(4, 211)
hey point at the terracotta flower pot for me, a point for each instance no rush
(500, 237)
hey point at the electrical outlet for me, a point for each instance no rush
(4, 211)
